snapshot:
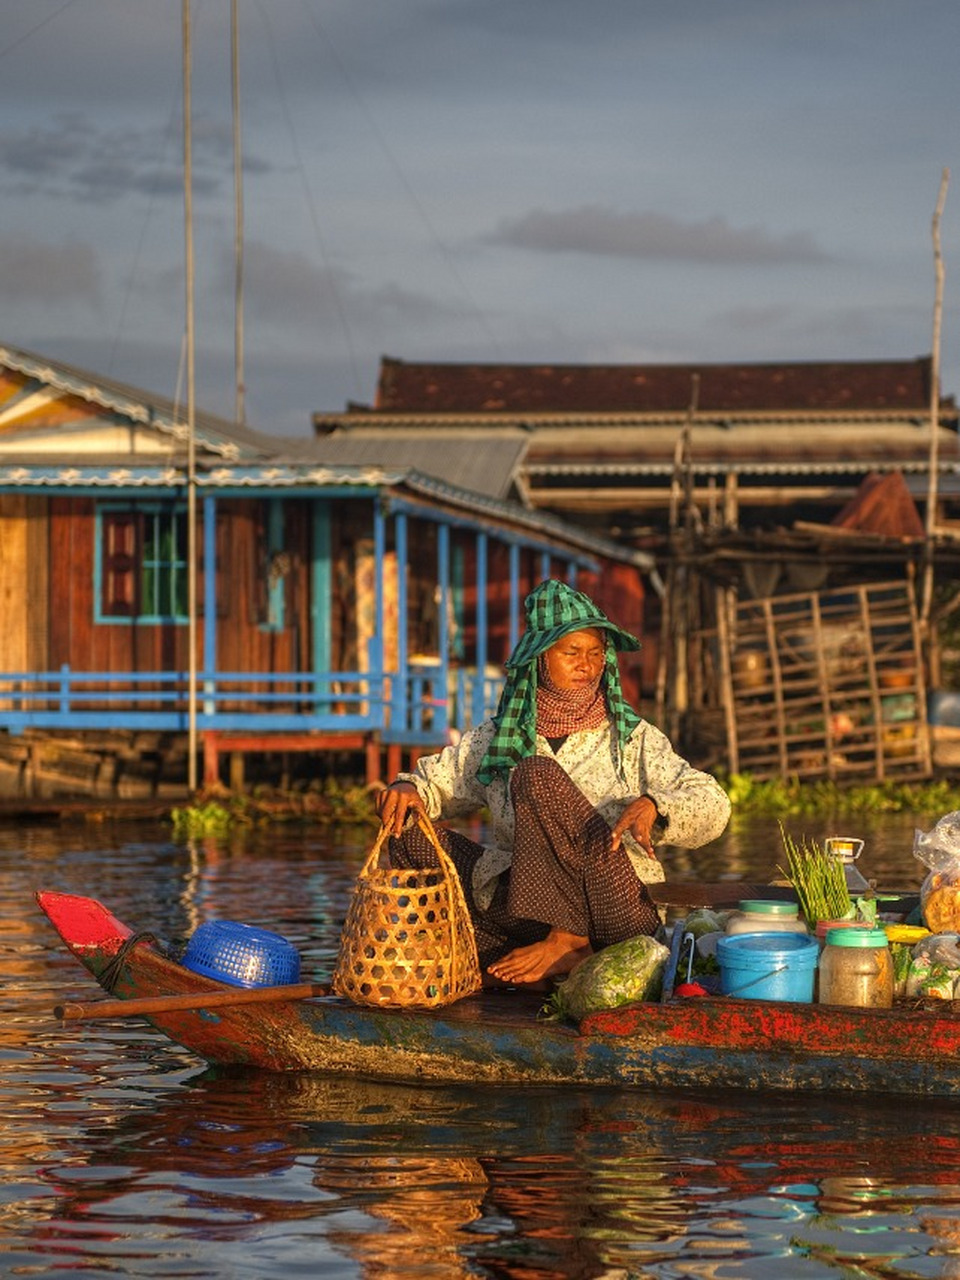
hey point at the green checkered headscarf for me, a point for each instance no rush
(552, 611)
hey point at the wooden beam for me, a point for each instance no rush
(608, 498)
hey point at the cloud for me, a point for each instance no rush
(595, 230)
(32, 271)
(72, 158)
(288, 288)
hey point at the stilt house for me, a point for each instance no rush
(346, 598)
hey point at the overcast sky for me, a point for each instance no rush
(558, 181)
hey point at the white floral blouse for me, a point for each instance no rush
(693, 807)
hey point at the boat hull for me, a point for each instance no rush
(497, 1037)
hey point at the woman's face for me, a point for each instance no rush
(577, 659)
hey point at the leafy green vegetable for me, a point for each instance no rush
(901, 955)
(624, 972)
(818, 879)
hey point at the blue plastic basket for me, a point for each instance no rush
(241, 955)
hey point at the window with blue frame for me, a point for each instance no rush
(141, 563)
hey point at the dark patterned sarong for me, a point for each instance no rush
(563, 875)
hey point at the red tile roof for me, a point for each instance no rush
(840, 386)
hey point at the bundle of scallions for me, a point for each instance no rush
(818, 879)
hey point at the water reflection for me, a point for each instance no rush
(404, 1181)
(120, 1154)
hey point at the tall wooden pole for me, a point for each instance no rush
(674, 629)
(238, 340)
(191, 411)
(934, 456)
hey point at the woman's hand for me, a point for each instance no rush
(637, 818)
(395, 802)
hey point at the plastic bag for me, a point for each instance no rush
(619, 974)
(939, 850)
(934, 970)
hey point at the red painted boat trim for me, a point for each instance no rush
(83, 922)
(767, 1027)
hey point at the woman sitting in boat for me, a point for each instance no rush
(579, 790)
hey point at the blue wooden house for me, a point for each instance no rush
(258, 593)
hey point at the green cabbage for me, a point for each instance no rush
(619, 974)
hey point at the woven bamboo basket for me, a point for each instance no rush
(407, 941)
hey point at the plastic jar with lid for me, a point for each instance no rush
(823, 927)
(856, 968)
(759, 916)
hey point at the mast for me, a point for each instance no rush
(191, 410)
(239, 375)
(933, 467)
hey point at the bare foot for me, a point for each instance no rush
(557, 954)
(490, 983)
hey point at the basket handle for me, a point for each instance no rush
(456, 890)
(427, 827)
(449, 871)
(374, 854)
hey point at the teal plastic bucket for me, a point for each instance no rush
(768, 966)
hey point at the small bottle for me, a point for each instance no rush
(759, 916)
(847, 849)
(856, 968)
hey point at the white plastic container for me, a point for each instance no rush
(758, 916)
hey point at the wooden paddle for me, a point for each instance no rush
(190, 1000)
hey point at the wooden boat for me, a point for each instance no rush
(713, 1042)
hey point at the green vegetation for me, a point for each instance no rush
(795, 798)
(217, 811)
(207, 819)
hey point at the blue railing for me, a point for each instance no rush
(420, 707)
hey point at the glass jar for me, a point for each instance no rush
(856, 968)
(758, 916)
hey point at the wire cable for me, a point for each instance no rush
(411, 194)
(311, 206)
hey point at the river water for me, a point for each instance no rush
(122, 1155)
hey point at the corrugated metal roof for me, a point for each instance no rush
(171, 473)
(584, 420)
(137, 405)
(632, 449)
(902, 440)
(485, 463)
(849, 466)
(307, 477)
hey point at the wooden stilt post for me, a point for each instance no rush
(211, 759)
(372, 753)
